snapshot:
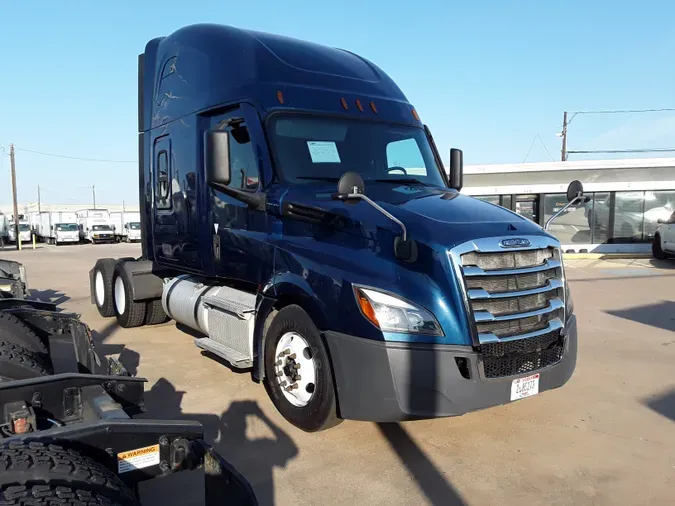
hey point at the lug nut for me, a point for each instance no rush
(292, 357)
(296, 366)
(287, 352)
(283, 383)
(279, 373)
(294, 386)
(278, 362)
(298, 377)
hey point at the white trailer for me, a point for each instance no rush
(127, 226)
(58, 228)
(95, 225)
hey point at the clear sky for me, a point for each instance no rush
(486, 76)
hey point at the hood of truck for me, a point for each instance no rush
(433, 216)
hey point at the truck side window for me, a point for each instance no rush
(243, 161)
(162, 191)
(405, 154)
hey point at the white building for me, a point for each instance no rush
(628, 197)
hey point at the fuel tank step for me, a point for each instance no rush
(233, 357)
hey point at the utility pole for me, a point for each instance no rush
(93, 193)
(39, 208)
(16, 205)
(564, 138)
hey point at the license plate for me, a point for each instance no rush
(525, 387)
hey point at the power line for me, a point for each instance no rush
(625, 111)
(74, 157)
(652, 150)
(620, 111)
(544, 146)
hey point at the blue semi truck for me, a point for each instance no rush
(297, 215)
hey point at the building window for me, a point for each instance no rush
(572, 226)
(658, 206)
(597, 214)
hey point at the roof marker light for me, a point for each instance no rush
(280, 97)
(372, 106)
(344, 103)
(414, 113)
(358, 104)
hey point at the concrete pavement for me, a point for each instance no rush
(606, 438)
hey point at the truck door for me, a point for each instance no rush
(238, 233)
(174, 228)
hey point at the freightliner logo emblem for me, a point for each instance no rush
(514, 243)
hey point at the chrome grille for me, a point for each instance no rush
(512, 294)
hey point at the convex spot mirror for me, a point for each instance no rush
(349, 183)
(574, 190)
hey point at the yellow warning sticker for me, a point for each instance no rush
(137, 459)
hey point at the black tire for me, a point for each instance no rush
(129, 313)
(104, 300)
(320, 413)
(154, 312)
(657, 250)
(39, 473)
(17, 363)
(13, 330)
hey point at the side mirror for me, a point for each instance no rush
(456, 169)
(217, 157)
(574, 190)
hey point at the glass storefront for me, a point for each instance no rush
(608, 217)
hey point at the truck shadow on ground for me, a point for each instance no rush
(663, 404)
(129, 358)
(429, 479)
(53, 296)
(254, 458)
(660, 315)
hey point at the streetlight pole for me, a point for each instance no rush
(16, 205)
(563, 156)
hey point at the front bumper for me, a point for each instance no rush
(388, 382)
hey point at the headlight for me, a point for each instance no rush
(393, 314)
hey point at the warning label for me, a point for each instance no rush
(137, 459)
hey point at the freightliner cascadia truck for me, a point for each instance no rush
(297, 215)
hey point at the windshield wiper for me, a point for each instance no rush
(401, 180)
(320, 178)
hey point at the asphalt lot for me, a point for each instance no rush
(607, 437)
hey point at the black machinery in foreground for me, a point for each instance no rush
(67, 432)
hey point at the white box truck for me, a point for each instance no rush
(127, 226)
(95, 225)
(24, 230)
(4, 230)
(58, 227)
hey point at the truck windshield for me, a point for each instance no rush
(66, 227)
(100, 228)
(24, 227)
(135, 225)
(308, 149)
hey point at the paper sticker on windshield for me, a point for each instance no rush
(323, 152)
(137, 459)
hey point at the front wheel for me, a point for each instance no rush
(657, 250)
(298, 375)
